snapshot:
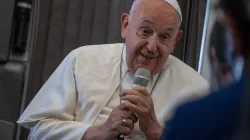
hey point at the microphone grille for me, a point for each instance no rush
(141, 77)
(143, 73)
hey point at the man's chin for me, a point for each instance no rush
(145, 67)
(153, 70)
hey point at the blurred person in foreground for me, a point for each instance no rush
(81, 99)
(219, 115)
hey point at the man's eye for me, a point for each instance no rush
(165, 37)
(144, 32)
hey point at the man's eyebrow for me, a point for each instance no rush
(147, 22)
(150, 23)
(170, 29)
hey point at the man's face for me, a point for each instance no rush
(151, 32)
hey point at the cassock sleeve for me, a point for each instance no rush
(51, 114)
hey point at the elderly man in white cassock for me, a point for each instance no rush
(81, 99)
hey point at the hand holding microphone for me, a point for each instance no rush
(140, 102)
(114, 125)
(121, 121)
(141, 79)
(138, 105)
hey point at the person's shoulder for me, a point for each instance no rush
(185, 72)
(176, 63)
(93, 55)
(208, 117)
(223, 98)
(98, 49)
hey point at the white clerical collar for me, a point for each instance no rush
(125, 66)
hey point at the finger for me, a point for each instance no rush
(137, 100)
(141, 90)
(118, 112)
(132, 107)
(125, 92)
(133, 117)
(126, 113)
(123, 129)
(123, 112)
(130, 92)
(129, 123)
(121, 107)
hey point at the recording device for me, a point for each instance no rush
(141, 78)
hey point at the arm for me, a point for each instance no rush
(51, 114)
(58, 129)
(156, 134)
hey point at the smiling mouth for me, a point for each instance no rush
(147, 56)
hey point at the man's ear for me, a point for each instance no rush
(178, 36)
(124, 22)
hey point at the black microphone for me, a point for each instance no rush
(141, 78)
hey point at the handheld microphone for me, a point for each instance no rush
(141, 78)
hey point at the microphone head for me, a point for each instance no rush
(141, 77)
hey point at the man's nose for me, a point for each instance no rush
(152, 44)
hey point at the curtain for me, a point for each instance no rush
(189, 47)
(64, 25)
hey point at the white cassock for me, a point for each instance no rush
(84, 89)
